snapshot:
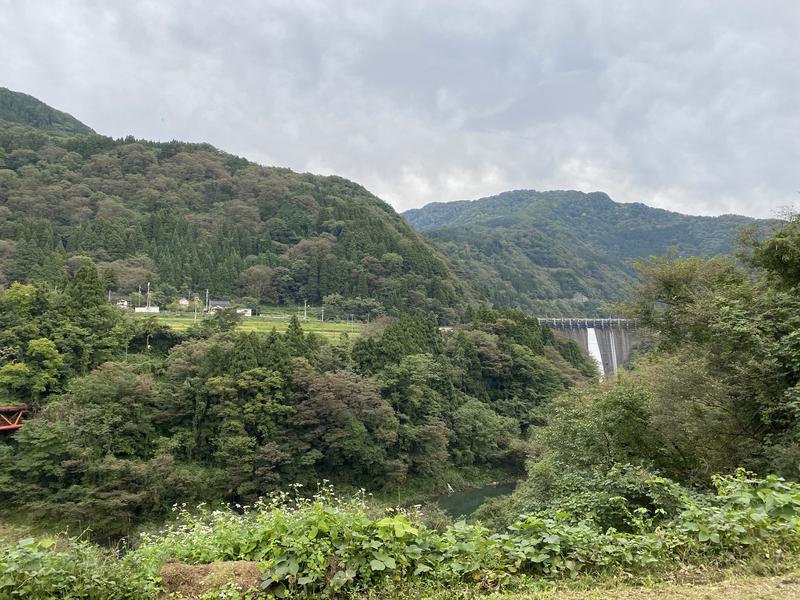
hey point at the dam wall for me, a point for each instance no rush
(612, 337)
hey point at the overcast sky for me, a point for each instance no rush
(687, 105)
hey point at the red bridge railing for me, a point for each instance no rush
(11, 417)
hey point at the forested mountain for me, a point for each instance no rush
(537, 250)
(188, 217)
(16, 107)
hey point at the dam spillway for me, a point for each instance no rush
(612, 339)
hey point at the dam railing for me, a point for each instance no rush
(587, 323)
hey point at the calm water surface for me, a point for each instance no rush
(466, 502)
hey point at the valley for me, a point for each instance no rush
(291, 455)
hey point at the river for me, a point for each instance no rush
(466, 502)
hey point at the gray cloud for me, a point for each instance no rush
(687, 105)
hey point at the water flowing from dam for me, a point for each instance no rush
(594, 350)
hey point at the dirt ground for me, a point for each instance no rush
(751, 588)
(189, 582)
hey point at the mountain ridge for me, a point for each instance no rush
(470, 201)
(24, 109)
(187, 217)
(547, 250)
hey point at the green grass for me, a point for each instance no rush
(263, 324)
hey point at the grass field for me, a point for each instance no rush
(262, 324)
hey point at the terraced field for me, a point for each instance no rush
(263, 324)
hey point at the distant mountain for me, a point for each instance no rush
(16, 107)
(564, 251)
(188, 217)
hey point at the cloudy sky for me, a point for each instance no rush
(687, 105)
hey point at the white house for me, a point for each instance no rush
(245, 312)
(146, 309)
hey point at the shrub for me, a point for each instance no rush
(66, 569)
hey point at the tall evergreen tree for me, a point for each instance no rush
(295, 338)
(86, 288)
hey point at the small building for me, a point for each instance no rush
(215, 305)
(146, 309)
(183, 303)
(578, 297)
(119, 300)
(245, 312)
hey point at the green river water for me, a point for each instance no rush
(466, 502)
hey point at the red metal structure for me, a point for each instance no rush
(11, 417)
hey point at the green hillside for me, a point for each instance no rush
(16, 107)
(188, 217)
(545, 251)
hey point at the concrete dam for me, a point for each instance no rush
(608, 341)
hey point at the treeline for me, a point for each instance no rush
(187, 218)
(130, 418)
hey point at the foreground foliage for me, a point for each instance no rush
(326, 546)
(69, 569)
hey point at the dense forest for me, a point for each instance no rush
(187, 217)
(131, 418)
(564, 252)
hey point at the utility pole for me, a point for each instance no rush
(305, 310)
(322, 318)
(208, 302)
(195, 307)
(148, 294)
